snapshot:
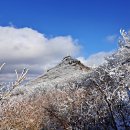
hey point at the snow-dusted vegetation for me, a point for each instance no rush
(72, 96)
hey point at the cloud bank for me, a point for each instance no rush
(27, 48)
(96, 59)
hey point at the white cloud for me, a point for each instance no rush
(26, 44)
(95, 59)
(111, 38)
(25, 47)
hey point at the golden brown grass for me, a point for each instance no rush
(38, 111)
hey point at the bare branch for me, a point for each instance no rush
(1, 66)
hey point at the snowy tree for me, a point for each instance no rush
(11, 86)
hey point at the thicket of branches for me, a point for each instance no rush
(101, 101)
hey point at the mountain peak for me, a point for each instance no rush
(72, 63)
(68, 68)
(69, 60)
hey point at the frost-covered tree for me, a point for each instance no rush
(102, 101)
(11, 86)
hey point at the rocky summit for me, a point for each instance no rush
(69, 69)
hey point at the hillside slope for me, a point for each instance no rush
(68, 70)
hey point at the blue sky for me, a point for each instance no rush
(36, 34)
(89, 21)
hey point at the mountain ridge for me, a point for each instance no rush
(69, 69)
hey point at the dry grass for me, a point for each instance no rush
(54, 110)
(25, 115)
(41, 110)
